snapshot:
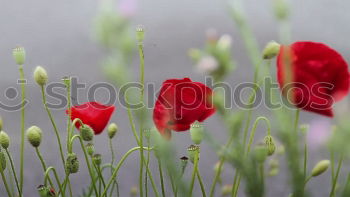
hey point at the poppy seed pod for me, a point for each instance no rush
(4, 140)
(40, 76)
(184, 162)
(2, 161)
(271, 50)
(140, 33)
(34, 135)
(72, 163)
(97, 159)
(90, 148)
(193, 152)
(112, 130)
(86, 133)
(19, 54)
(320, 168)
(270, 145)
(197, 132)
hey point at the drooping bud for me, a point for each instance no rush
(193, 152)
(1, 124)
(197, 132)
(271, 50)
(134, 191)
(184, 162)
(260, 153)
(34, 135)
(90, 148)
(97, 159)
(4, 140)
(19, 54)
(270, 145)
(112, 130)
(40, 76)
(2, 161)
(320, 168)
(86, 132)
(44, 191)
(72, 163)
(140, 33)
(226, 190)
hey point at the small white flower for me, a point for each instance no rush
(207, 64)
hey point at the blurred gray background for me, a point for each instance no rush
(59, 36)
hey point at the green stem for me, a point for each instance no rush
(86, 159)
(332, 194)
(13, 171)
(115, 173)
(161, 176)
(5, 182)
(201, 183)
(147, 165)
(195, 168)
(42, 161)
(112, 162)
(47, 177)
(305, 158)
(296, 120)
(23, 92)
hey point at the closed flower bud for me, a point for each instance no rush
(224, 43)
(281, 9)
(90, 148)
(72, 163)
(184, 162)
(2, 161)
(34, 135)
(97, 159)
(4, 140)
(112, 130)
(197, 132)
(1, 124)
(40, 76)
(44, 191)
(140, 33)
(86, 133)
(193, 152)
(270, 145)
(19, 54)
(320, 168)
(226, 190)
(260, 153)
(271, 50)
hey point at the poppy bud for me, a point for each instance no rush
(271, 50)
(226, 190)
(197, 132)
(97, 159)
(112, 130)
(270, 145)
(2, 161)
(193, 152)
(90, 148)
(260, 153)
(140, 33)
(34, 134)
(134, 191)
(1, 124)
(281, 9)
(72, 163)
(184, 162)
(44, 191)
(86, 132)
(320, 168)
(4, 140)
(40, 76)
(19, 54)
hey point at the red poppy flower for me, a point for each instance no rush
(180, 103)
(318, 74)
(93, 114)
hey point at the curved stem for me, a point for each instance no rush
(5, 182)
(332, 194)
(115, 173)
(43, 164)
(86, 159)
(201, 183)
(47, 177)
(253, 131)
(75, 121)
(195, 168)
(13, 171)
(23, 92)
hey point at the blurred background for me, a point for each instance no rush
(60, 36)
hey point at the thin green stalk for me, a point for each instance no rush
(161, 176)
(173, 187)
(112, 163)
(332, 194)
(195, 169)
(13, 171)
(201, 183)
(10, 176)
(147, 165)
(141, 164)
(115, 173)
(5, 182)
(23, 93)
(47, 177)
(42, 161)
(86, 159)
(296, 121)
(305, 158)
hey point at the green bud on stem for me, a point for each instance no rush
(19, 54)
(40, 76)
(4, 139)
(34, 136)
(320, 168)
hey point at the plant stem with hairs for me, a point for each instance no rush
(13, 171)
(23, 93)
